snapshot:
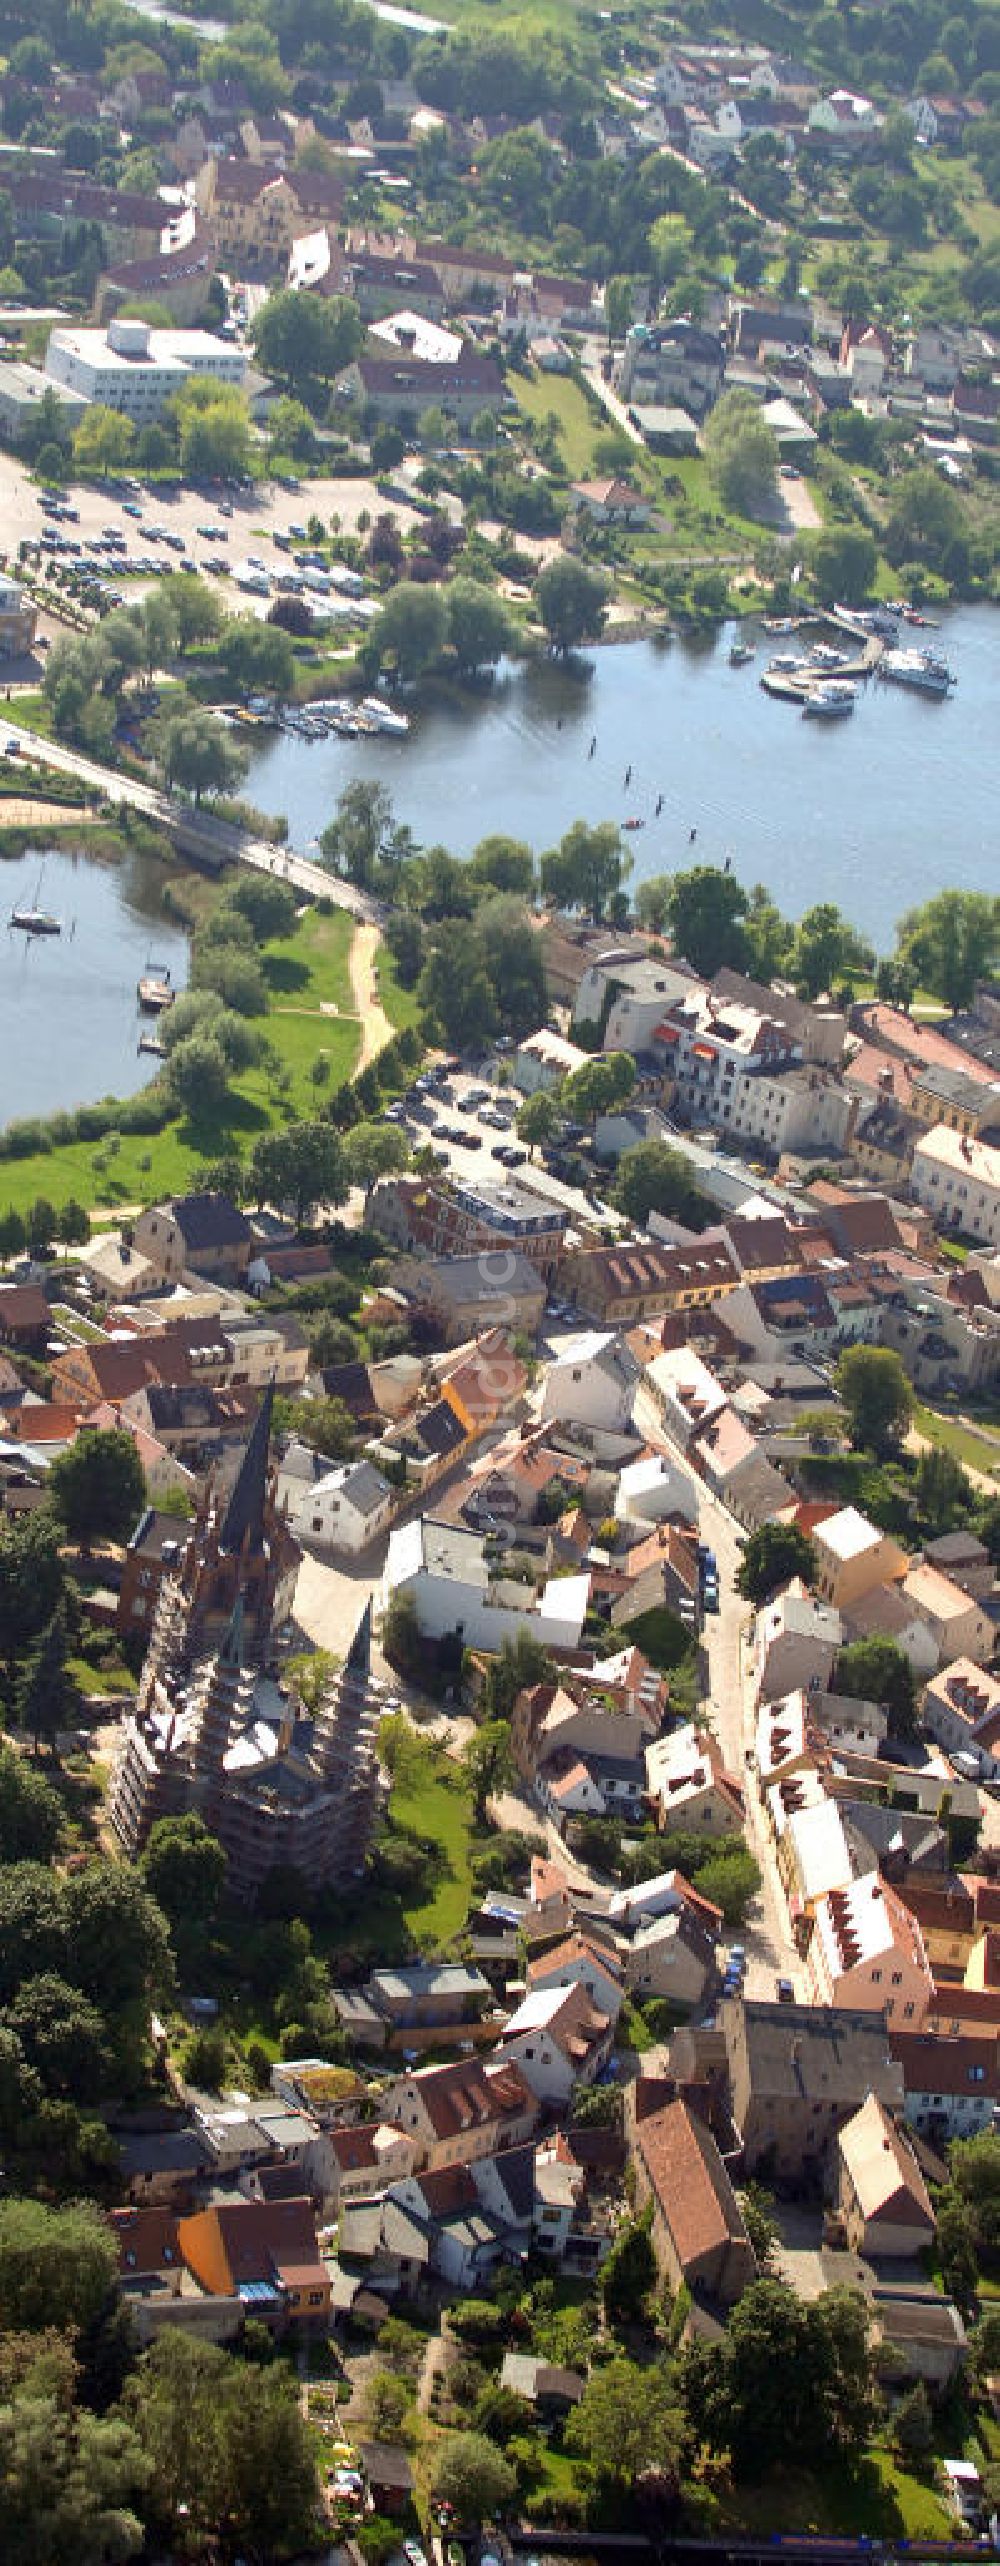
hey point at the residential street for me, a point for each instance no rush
(770, 1950)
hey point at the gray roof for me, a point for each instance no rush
(828, 2053)
(210, 1221)
(463, 1278)
(515, 2169)
(365, 1488)
(429, 1977)
(387, 2465)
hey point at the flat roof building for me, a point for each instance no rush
(134, 368)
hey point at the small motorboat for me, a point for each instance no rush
(830, 701)
(155, 990)
(633, 824)
(740, 652)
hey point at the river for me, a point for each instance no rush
(213, 31)
(876, 812)
(67, 1002)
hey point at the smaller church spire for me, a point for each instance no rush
(244, 1516)
(359, 1655)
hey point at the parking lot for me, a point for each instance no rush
(129, 536)
(469, 1124)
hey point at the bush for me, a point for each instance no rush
(204, 2058)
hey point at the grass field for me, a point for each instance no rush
(874, 2499)
(577, 426)
(430, 1806)
(304, 970)
(974, 1451)
(401, 1005)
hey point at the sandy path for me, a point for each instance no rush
(376, 1029)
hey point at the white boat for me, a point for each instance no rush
(786, 663)
(920, 669)
(33, 920)
(739, 653)
(830, 701)
(385, 716)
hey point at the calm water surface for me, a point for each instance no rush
(876, 812)
(68, 1019)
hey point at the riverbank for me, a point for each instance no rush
(313, 1038)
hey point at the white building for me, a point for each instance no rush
(334, 1506)
(958, 1180)
(653, 1489)
(961, 1712)
(418, 337)
(21, 389)
(591, 1383)
(558, 2040)
(545, 1059)
(686, 1392)
(134, 368)
(443, 1568)
(796, 1641)
(639, 992)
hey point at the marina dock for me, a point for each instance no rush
(793, 686)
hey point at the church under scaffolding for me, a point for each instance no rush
(217, 1729)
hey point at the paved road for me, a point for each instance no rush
(197, 830)
(767, 1937)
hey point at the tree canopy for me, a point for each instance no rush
(571, 602)
(587, 870)
(652, 1177)
(876, 1394)
(952, 941)
(773, 1555)
(472, 2476)
(741, 450)
(97, 1487)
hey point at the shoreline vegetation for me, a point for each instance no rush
(267, 1033)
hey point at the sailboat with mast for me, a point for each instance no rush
(36, 921)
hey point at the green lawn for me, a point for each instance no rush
(577, 426)
(312, 964)
(401, 1005)
(973, 1450)
(875, 2499)
(430, 1799)
(429, 1805)
(303, 969)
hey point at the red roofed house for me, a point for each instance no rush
(25, 1317)
(698, 2233)
(580, 1961)
(266, 2254)
(454, 2113)
(881, 2193)
(558, 2040)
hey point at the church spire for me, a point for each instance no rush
(231, 1651)
(359, 1655)
(244, 1514)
